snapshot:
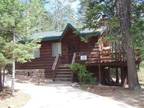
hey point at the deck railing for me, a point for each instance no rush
(55, 62)
(106, 56)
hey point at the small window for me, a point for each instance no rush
(36, 53)
(56, 49)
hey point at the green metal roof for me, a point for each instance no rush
(54, 36)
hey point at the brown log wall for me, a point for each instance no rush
(70, 43)
(44, 62)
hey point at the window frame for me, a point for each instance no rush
(56, 49)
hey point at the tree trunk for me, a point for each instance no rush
(117, 76)
(1, 85)
(124, 13)
(3, 77)
(13, 66)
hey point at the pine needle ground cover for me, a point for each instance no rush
(127, 96)
(16, 101)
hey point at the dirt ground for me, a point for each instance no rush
(132, 98)
(6, 93)
(64, 95)
(135, 98)
(17, 101)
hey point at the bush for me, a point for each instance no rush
(84, 76)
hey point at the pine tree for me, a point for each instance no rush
(125, 19)
(124, 13)
(18, 21)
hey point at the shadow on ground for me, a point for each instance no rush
(133, 98)
(33, 80)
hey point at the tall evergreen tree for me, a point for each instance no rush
(130, 13)
(124, 14)
(18, 21)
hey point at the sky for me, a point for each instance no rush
(74, 5)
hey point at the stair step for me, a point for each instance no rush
(63, 69)
(63, 79)
(63, 75)
(64, 66)
(64, 72)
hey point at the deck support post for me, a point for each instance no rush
(126, 76)
(117, 76)
(109, 75)
(99, 68)
(123, 76)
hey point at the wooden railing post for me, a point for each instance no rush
(73, 61)
(99, 67)
(54, 65)
(74, 58)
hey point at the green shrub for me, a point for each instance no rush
(83, 74)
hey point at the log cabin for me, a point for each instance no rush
(59, 49)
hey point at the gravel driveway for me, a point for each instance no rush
(65, 96)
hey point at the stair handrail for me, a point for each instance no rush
(73, 58)
(55, 62)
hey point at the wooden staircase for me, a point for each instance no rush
(63, 73)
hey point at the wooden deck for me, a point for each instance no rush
(106, 57)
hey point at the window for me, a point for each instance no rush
(56, 49)
(36, 53)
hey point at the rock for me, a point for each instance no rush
(75, 85)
